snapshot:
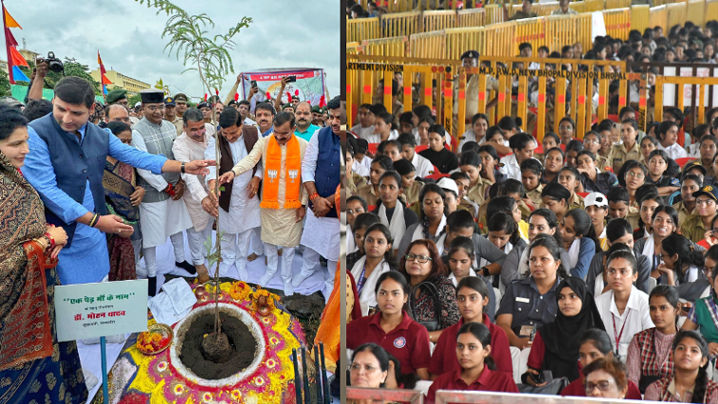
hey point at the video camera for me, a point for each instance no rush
(53, 64)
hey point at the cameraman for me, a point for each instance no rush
(38, 79)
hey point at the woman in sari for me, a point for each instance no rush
(123, 197)
(34, 367)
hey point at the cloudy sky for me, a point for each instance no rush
(284, 33)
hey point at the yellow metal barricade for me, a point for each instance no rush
(676, 14)
(696, 12)
(640, 15)
(711, 8)
(494, 14)
(363, 28)
(428, 45)
(395, 46)
(399, 24)
(460, 40)
(592, 5)
(475, 17)
(618, 22)
(703, 84)
(500, 39)
(438, 19)
(531, 30)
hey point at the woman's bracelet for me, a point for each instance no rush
(50, 240)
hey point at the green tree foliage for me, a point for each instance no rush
(4, 85)
(190, 41)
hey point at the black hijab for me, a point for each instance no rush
(561, 336)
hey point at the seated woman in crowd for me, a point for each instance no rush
(531, 172)
(597, 208)
(355, 207)
(473, 351)
(664, 223)
(549, 141)
(432, 301)
(628, 148)
(566, 130)
(503, 233)
(556, 198)
(522, 147)
(620, 237)
(704, 313)
(477, 131)
(432, 218)
(592, 179)
(359, 228)
(632, 176)
(696, 225)
(571, 180)
(530, 302)
(650, 355)
(369, 368)
(472, 295)
(512, 207)
(489, 163)
(689, 381)
(682, 261)
(460, 259)
(376, 261)
(606, 378)
(470, 164)
(595, 344)
(369, 191)
(555, 347)
(623, 308)
(658, 164)
(393, 329)
(689, 185)
(648, 200)
(647, 145)
(579, 242)
(592, 143)
(667, 135)
(390, 209)
(444, 160)
(410, 186)
(516, 264)
(552, 164)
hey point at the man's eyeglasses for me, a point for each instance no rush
(421, 259)
(154, 108)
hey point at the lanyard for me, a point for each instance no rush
(362, 279)
(615, 335)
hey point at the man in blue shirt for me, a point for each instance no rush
(264, 113)
(66, 164)
(305, 128)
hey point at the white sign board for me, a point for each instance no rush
(91, 310)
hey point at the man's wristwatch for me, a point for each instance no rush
(182, 167)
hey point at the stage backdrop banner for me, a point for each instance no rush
(308, 87)
(90, 310)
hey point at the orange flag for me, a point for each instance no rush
(9, 21)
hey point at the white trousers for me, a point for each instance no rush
(519, 361)
(196, 240)
(235, 248)
(311, 264)
(271, 251)
(151, 253)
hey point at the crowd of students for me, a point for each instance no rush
(583, 264)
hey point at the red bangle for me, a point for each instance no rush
(52, 241)
(313, 196)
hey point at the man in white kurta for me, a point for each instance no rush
(162, 213)
(190, 145)
(281, 227)
(239, 215)
(320, 174)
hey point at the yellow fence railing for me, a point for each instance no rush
(619, 15)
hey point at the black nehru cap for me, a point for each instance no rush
(404, 167)
(556, 191)
(152, 96)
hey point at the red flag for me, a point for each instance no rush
(289, 97)
(216, 92)
(322, 103)
(205, 97)
(296, 92)
(17, 58)
(236, 96)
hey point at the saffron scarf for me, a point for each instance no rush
(292, 175)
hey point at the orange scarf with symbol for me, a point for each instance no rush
(292, 175)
